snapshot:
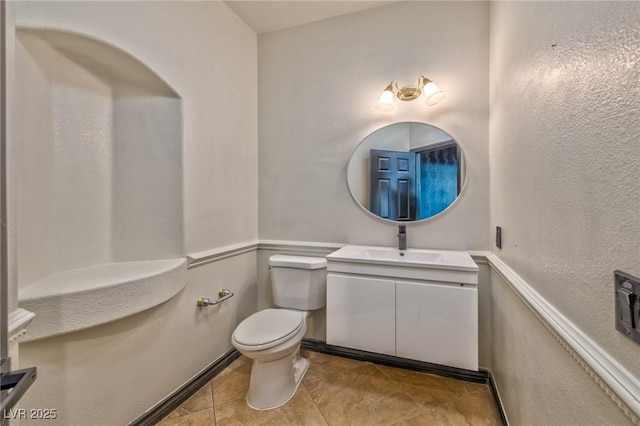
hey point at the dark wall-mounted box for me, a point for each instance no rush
(627, 299)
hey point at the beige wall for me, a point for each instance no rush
(540, 383)
(318, 84)
(212, 65)
(565, 188)
(111, 373)
(99, 158)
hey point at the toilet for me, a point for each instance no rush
(272, 337)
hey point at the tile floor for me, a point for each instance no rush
(341, 391)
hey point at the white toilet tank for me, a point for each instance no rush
(299, 282)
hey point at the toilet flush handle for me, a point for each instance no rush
(224, 294)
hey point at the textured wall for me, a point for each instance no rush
(539, 382)
(208, 55)
(211, 64)
(99, 157)
(565, 174)
(318, 84)
(112, 373)
(60, 187)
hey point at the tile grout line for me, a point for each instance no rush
(315, 404)
(213, 403)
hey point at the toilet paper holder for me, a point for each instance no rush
(224, 294)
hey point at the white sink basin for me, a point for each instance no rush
(405, 256)
(438, 265)
(446, 259)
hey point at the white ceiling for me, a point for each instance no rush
(264, 16)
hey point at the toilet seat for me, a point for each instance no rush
(267, 328)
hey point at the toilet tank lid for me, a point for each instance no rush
(300, 262)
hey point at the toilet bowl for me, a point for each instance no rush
(272, 337)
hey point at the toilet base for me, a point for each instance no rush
(274, 383)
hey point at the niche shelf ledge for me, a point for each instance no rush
(75, 299)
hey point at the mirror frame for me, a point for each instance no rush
(401, 222)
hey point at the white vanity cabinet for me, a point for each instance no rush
(361, 313)
(404, 308)
(437, 323)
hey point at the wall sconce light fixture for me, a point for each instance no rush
(432, 94)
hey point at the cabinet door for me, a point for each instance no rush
(361, 313)
(437, 323)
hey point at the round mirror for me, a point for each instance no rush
(406, 172)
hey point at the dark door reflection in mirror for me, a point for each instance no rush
(394, 184)
(406, 172)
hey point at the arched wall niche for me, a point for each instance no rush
(99, 140)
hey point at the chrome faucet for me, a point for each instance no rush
(402, 237)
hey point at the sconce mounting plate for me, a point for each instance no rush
(408, 93)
